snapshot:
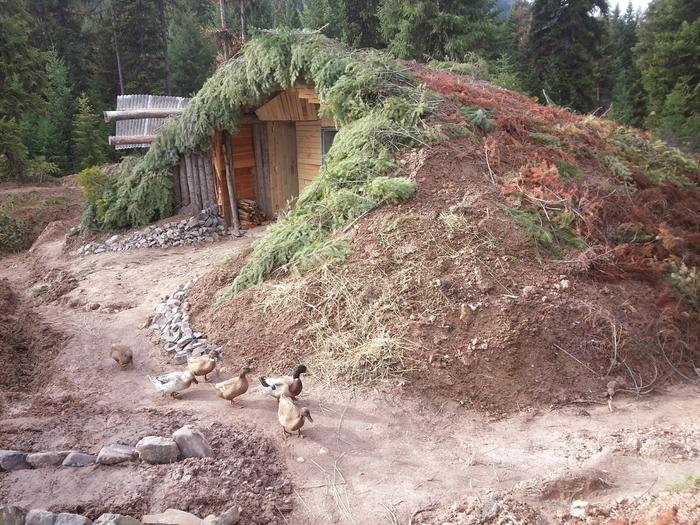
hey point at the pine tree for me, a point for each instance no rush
(137, 27)
(629, 100)
(563, 45)
(667, 56)
(285, 13)
(330, 15)
(21, 79)
(54, 126)
(446, 30)
(88, 138)
(192, 54)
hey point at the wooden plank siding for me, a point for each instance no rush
(284, 184)
(287, 107)
(244, 162)
(308, 151)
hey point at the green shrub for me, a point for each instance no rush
(543, 139)
(554, 233)
(14, 234)
(473, 65)
(688, 484)
(478, 117)
(686, 279)
(568, 171)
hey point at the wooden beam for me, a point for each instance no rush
(231, 183)
(136, 139)
(131, 114)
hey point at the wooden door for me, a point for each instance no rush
(282, 147)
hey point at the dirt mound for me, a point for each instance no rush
(664, 509)
(26, 344)
(449, 287)
(546, 258)
(39, 206)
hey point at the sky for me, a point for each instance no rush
(637, 4)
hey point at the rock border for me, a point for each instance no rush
(172, 320)
(185, 442)
(207, 226)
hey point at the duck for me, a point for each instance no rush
(284, 385)
(291, 417)
(234, 387)
(173, 382)
(121, 354)
(204, 364)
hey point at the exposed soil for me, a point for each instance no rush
(367, 455)
(40, 205)
(490, 323)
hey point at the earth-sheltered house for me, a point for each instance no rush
(267, 120)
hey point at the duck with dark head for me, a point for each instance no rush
(290, 386)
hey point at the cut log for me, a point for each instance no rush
(193, 183)
(136, 139)
(211, 190)
(131, 114)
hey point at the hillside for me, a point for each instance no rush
(545, 258)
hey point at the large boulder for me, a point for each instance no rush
(230, 517)
(78, 459)
(171, 517)
(116, 519)
(40, 517)
(113, 454)
(47, 459)
(13, 460)
(12, 515)
(156, 449)
(65, 518)
(192, 443)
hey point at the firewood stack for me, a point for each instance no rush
(249, 213)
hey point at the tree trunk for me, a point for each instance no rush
(119, 64)
(244, 22)
(166, 54)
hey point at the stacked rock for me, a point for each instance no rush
(208, 226)
(172, 320)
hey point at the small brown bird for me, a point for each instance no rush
(204, 364)
(291, 417)
(122, 355)
(234, 387)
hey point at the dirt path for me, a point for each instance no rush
(367, 456)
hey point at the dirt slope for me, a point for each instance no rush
(458, 304)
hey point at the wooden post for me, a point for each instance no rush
(184, 189)
(217, 158)
(206, 199)
(192, 183)
(176, 186)
(211, 191)
(231, 183)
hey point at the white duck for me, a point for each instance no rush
(173, 382)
